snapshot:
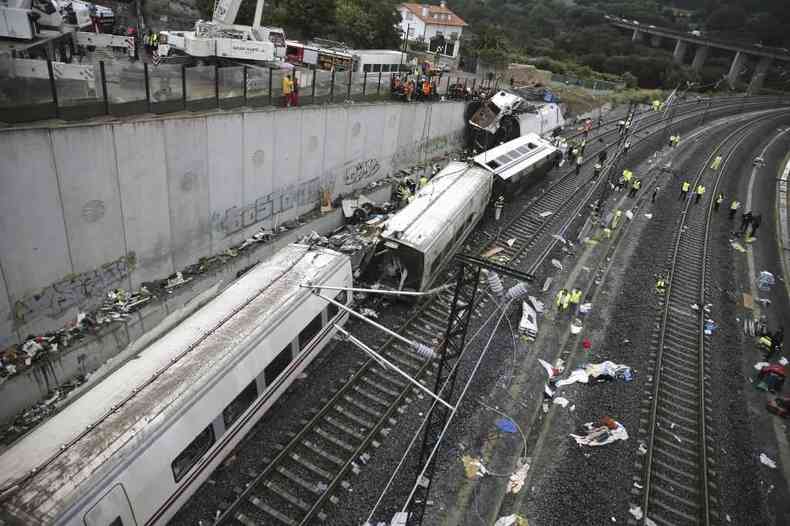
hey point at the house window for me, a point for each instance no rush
(192, 453)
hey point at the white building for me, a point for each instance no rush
(435, 25)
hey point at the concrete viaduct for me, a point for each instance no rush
(764, 55)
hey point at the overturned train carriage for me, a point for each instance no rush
(132, 449)
(424, 235)
(520, 163)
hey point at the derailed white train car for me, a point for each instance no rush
(424, 235)
(131, 450)
(519, 163)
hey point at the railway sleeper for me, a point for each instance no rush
(268, 510)
(681, 351)
(317, 489)
(375, 385)
(690, 409)
(665, 458)
(285, 495)
(677, 478)
(245, 520)
(363, 407)
(367, 424)
(385, 375)
(669, 501)
(322, 453)
(370, 396)
(673, 416)
(326, 435)
(306, 464)
(680, 391)
(678, 448)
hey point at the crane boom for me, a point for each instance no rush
(225, 11)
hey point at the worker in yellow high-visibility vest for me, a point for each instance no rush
(700, 191)
(684, 190)
(716, 163)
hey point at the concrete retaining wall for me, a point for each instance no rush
(85, 208)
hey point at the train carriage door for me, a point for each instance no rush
(113, 509)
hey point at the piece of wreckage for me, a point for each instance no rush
(528, 326)
(507, 115)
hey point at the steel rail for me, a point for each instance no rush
(684, 256)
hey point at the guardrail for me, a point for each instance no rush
(34, 90)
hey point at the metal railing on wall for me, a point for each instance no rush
(40, 90)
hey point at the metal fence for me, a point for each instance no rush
(50, 90)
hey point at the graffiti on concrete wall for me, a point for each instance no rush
(362, 171)
(73, 290)
(267, 206)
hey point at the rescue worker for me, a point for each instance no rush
(403, 193)
(734, 206)
(602, 156)
(288, 87)
(746, 220)
(684, 190)
(755, 222)
(620, 126)
(716, 163)
(575, 297)
(628, 175)
(700, 191)
(627, 145)
(635, 185)
(423, 182)
(582, 146)
(677, 141)
(597, 170)
(562, 300)
(661, 285)
(719, 200)
(656, 105)
(579, 163)
(655, 193)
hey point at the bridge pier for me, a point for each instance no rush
(637, 36)
(738, 63)
(700, 56)
(680, 51)
(760, 71)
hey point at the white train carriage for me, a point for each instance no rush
(131, 450)
(423, 236)
(519, 163)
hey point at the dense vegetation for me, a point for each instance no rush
(573, 36)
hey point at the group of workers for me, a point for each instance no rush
(568, 300)
(408, 187)
(421, 88)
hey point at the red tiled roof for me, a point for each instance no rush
(436, 15)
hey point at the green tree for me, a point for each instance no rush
(310, 18)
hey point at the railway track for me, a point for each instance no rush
(678, 473)
(570, 194)
(293, 487)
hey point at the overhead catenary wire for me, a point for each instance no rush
(417, 433)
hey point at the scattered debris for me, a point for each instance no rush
(766, 460)
(556, 264)
(511, 242)
(636, 512)
(599, 372)
(761, 365)
(642, 449)
(473, 467)
(585, 308)
(492, 252)
(765, 281)
(560, 239)
(370, 313)
(629, 215)
(545, 214)
(576, 326)
(538, 305)
(528, 325)
(710, 327)
(649, 216)
(561, 401)
(506, 425)
(602, 433)
(512, 520)
(517, 479)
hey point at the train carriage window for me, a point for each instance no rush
(366, 67)
(332, 310)
(376, 68)
(278, 365)
(309, 332)
(192, 453)
(239, 404)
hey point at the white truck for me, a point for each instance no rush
(221, 38)
(25, 19)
